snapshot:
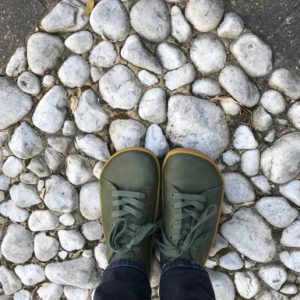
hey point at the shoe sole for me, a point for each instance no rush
(145, 150)
(205, 157)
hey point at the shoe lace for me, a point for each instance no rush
(126, 235)
(190, 218)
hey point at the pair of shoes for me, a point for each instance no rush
(192, 196)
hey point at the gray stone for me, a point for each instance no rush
(250, 235)
(135, 52)
(25, 142)
(9, 281)
(294, 114)
(244, 139)
(45, 247)
(78, 170)
(151, 20)
(79, 272)
(42, 220)
(254, 55)
(231, 261)
(17, 62)
(103, 55)
(231, 27)
(79, 42)
(71, 240)
(273, 102)
(30, 274)
(120, 88)
(230, 158)
(238, 85)
(24, 195)
(270, 136)
(291, 190)
(281, 162)
(92, 230)
(218, 245)
(89, 201)
(185, 127)
(29, 178)
(222, 285)
(208, 54)
(92, 146)
(10, 98)
(50, 291)
(205, 15)
(291, 259)
(9, 210)
(126, 133)
(277, 211)
(60, 143)
(54, 159)
(13, 166)
(246, 284)
(29, 83)
(110, 19)
(155, 141)
(181, 29)
(89, 115)
(206, 87)
(290, 235)
(261, 120)
(147, 78)
(250, 162)
(17, 244)
(72, 293)
(69, 128)
(286, 82)
(238, 188)
(273, 275)
(153, 106)
(49, 115)
(180, 77)
(74, 72)
(67, 219)
(60, 195)
(43, 52)
(262, 183)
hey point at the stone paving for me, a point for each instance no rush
(155, 74)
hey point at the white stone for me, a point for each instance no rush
(10, 98)
(60, 195)
(24, 195)
(69, 128)
(244, 139)
(92, 230)
(100, 255)
(231, 27)
(79, 272)
(96, 74)
(155, 141)
(49, 115)
(270, 137)
(273, 102)
(231, 261)
(222, 285)
(254, 55)
(180, 77)
(246, 284)
(286, 82)
(110, 19)
(208, 54)
(98, 169)
(277, 211)
(62, 254)
(294, 114)
(42, 220)
(230, 106)
(25, 142)
(22, 295)
(30, 274)
(29, 83)
(67, 219)
(90, 201)
(17, 62)
(2, 196)
(276, 161)
(261, 120)
(239, 86)
(103, 55)
(17, 244)
(291, 190)
(9, 281)
(135, 52)
(74, 72)
(39, 167)
(289, 289)
(60, 143)
(218, 245)
(29, 178)
(71, 240)
(50, 291)
(9, 210)
(156, 273)
(48, 81)
(4, 182)
(45, 247)
(13, 166)
(153, 106)
(54, 159)
(273, 275)
(151, 20)
(250, 162)
(72, 293)
(181, 29)
(290, 235)
(89, 115)
(126, 133)
(43, 52)
(291, 260)
(206, 87)
(250, 235)
(92, 146)
(79, 42)
(205, 15)
(186, 128)
(147, 78)
(270, 295)
(262, 183)
(230, 158)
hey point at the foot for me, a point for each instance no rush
(129, 192)
(192, 199)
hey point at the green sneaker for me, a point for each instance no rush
(129, 192)
(192, 192)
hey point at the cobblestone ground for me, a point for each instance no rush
(155, 74)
